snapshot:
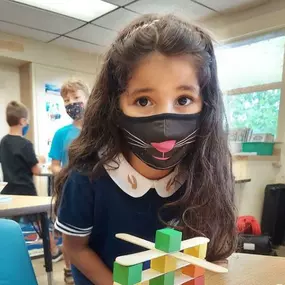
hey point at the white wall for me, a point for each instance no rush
(9, 90)
(250, 196)
(49, 55)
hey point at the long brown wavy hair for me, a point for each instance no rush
(207, 206)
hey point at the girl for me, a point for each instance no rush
(152, 151)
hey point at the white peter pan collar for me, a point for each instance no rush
(136, 185)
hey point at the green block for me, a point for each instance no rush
(166, 279)
(168, 240)
(127, 275)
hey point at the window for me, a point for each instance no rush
(251, 77)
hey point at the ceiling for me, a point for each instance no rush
(91, 25)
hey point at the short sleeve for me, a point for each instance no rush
(56, 149)
(28, 154)
(76, 211)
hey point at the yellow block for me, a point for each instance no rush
(164, 264)
(199, 251)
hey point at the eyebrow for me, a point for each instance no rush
(141, 91)
(190, 88)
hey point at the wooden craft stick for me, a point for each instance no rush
(200, 262)
(135, 240)
(149, 274)
(193, 242)
(149, 245)
(136, 258)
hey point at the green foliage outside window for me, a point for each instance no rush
(257, 110)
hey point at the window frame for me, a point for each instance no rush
(280, 129)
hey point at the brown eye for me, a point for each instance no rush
(184, 101)
(143, 102)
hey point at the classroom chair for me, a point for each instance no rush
(15, 263)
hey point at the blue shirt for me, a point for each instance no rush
(61, 142)
(100, 209)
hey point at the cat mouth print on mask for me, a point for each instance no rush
(161, 141)
(75, 110)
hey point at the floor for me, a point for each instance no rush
(41, 274)
(58, 269)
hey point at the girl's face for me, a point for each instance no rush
(161, 84)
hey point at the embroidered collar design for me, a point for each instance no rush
(136, 185)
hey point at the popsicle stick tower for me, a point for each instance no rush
(173, 261)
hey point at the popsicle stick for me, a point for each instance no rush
(191, 259)
(136, 258)
(179, 279)
(200, 262)
(150, 245)
(193, 242)
(137, 241)
(151, 273)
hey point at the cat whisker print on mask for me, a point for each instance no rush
(133, 140)
(186, 139)
(136, 139)
(185, 143)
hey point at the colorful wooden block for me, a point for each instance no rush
(166, 279)
(164, 264)
(168, 240)
(197, 281)
(127, 275)
(199, 251)
(193, 271)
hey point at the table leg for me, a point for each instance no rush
(46, 245)
(49, 180)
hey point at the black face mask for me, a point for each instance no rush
(75, 110)
(161, 141)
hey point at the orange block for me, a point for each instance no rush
(197, 281)
(193, 271)
(164, 264)
(199, 251)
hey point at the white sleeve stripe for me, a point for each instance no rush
(75, 228)
(69, 233)
(71, 230)
(79, 229)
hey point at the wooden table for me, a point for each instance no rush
(26, 205)
(248, 269)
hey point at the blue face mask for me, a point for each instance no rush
(25, 129)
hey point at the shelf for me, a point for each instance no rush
(249, 157)
(272, 158)
(242, 180)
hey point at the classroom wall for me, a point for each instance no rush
(9, 90)
(262, 19)
(46, 54)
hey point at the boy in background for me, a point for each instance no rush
(75, 94)
(19, 161)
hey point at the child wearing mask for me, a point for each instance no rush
(74, 94)
(152, 152)
(19, 161)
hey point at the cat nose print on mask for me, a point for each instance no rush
(161, 141)
(163, 147)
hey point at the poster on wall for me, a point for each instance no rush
(52, 116)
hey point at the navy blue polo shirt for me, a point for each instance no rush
(100, 209)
